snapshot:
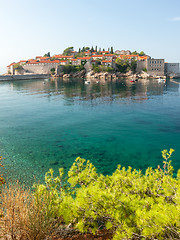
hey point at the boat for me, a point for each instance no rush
(160, 79)
(87, 82)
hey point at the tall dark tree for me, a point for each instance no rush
(92, 49)
(96, 49)
(47, 54)
(112, 51)
(83, 49)
(103, 49)
(99, 49)
(79, 50)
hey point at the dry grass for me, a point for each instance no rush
(25, 217)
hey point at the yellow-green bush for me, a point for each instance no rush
(128, 202)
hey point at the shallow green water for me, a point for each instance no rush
(48, 124)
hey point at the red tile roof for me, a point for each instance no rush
(97, 56)
(142, 57)
(104, 51)
(61, 56)
(43, 58)
(84, 58)
(48, 61)
(107, 61)
(109, 55)
(33, 62)
(11, 64)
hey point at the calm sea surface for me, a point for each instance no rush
(48, 124)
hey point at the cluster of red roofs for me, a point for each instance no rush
(104, 56)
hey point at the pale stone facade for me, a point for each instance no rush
(41, 68)
(141, 65)
(171, 68)
(123, 52)
(155, 67)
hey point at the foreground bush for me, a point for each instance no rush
(128, 203)
(25, 217)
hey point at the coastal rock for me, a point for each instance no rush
(144, 75)
(65, 76)
(80, 74)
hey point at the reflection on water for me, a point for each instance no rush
(47, 124)
(77, 89)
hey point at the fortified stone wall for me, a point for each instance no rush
(172, 68)
(39, 69)
(141, 65)
(155, 67)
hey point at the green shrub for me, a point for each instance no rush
(67, 69)
(128, 202)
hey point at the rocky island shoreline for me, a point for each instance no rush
(90, 76)
(94, 64)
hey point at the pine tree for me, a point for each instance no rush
(92, 49)
(112, 50)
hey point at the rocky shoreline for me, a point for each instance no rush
(90, 75)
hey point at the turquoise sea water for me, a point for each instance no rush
(48, 124)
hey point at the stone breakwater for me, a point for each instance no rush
(23, 77)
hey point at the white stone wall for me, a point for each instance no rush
(155, 67)
(172, 68)
(40, 68)
(141, 65)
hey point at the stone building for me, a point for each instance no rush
(155, 67)
(171, 69)
(123, 52)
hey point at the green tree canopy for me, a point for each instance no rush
(92, 49)
(135, 53)
(141, 53)
(122, 65)
(47, 54)
(68, 51)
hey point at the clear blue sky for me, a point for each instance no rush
(34, 27)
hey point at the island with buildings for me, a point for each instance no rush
(94, 64)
